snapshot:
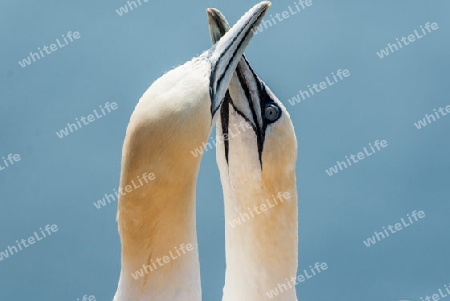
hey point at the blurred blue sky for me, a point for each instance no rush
(117, 57)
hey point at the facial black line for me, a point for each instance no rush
(224, 120)
(264, 99)
(245, 87)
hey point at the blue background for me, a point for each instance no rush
(117, 58)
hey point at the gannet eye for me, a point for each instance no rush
(272, 112)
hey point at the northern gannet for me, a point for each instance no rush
(257, 166)
(173, 117)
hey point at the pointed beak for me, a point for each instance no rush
(227, 52)
(217, 23)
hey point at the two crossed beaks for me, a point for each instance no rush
(248, 94)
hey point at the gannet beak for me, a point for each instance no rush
(227, 52)
(248, 94)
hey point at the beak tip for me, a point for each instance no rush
(267, 4)
(211, 13)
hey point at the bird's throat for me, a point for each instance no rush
(261, 241)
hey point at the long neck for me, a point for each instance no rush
(261, 251)
(157, 225)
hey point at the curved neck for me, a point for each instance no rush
(157, 224)
(159, 256)
(261, 240)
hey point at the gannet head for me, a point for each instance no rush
(254, 125)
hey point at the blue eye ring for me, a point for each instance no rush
(272, 112)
